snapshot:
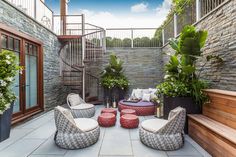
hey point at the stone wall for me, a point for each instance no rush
(142, 66)
(221, 27)
(54, 91)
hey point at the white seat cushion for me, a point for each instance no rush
(75, 99)
(153, 125)
(82, 106)
(86, 124)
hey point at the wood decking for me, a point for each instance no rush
(215, 129)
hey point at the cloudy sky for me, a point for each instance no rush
(118, 13)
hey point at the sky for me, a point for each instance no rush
(118, 13)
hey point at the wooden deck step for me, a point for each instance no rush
(218, 139)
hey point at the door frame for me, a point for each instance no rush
(26, 113)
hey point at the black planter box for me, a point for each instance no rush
(116, 93)
(186, 102)
(5, 124)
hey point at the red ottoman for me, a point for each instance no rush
(109, 110)
(127, 111)
(107, 119)
(129, 121)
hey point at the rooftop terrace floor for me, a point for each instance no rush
(34, 138)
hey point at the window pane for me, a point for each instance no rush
(16, 90)
(17, 45)
(10, 43)
(31, 81)
(4, 41)
(26, 48)
(30, 49)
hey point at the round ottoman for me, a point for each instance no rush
(127, 111)
(109, 110)
(129, 121)
(142, 108)
(107, 119)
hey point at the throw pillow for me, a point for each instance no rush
(146, 97)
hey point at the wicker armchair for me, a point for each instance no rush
(74, 133)
(164, 134)
(79, 108)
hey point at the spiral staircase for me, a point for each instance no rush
(77, 53)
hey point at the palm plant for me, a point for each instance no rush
(113, 74)
(181, 66)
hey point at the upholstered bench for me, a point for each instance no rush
(142, 108)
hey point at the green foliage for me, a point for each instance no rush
(181, 69)
(113, 76)
(138, 42)
(178, 8)
(172, 89)
(8, 70)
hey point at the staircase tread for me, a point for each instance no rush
(217, 127)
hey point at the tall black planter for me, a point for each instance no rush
(5, 124)
(186, 102)
(115, 92)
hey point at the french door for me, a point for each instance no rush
(28, 84)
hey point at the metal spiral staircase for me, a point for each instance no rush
(80, 48)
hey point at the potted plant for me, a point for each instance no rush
(8, 70)
(182, 87)
(113, 79)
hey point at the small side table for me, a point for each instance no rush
(129, 121)
(109, 110)
(107, 119)
(127, 111)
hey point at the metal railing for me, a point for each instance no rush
(36, 9)
(191, 14)
(132, 37)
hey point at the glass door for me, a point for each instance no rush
(27, 86)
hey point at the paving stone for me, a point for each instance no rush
(140, 150)
(49, 148)
(21, 148)
(187, 149)
(15, 135)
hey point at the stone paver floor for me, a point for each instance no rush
(35, 139)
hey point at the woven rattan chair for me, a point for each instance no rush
(74, 133)
(79, 108)
(164, 134)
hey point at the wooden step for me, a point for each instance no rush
(218, 139)
(222, 106)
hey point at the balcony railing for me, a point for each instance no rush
(132, 37)
(191, 14)
(36, 9)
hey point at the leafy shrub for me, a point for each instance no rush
(8, 70)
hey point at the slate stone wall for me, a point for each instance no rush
(54, 92)
(142, 66)
(221, 27)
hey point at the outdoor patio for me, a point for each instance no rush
(35, 139)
